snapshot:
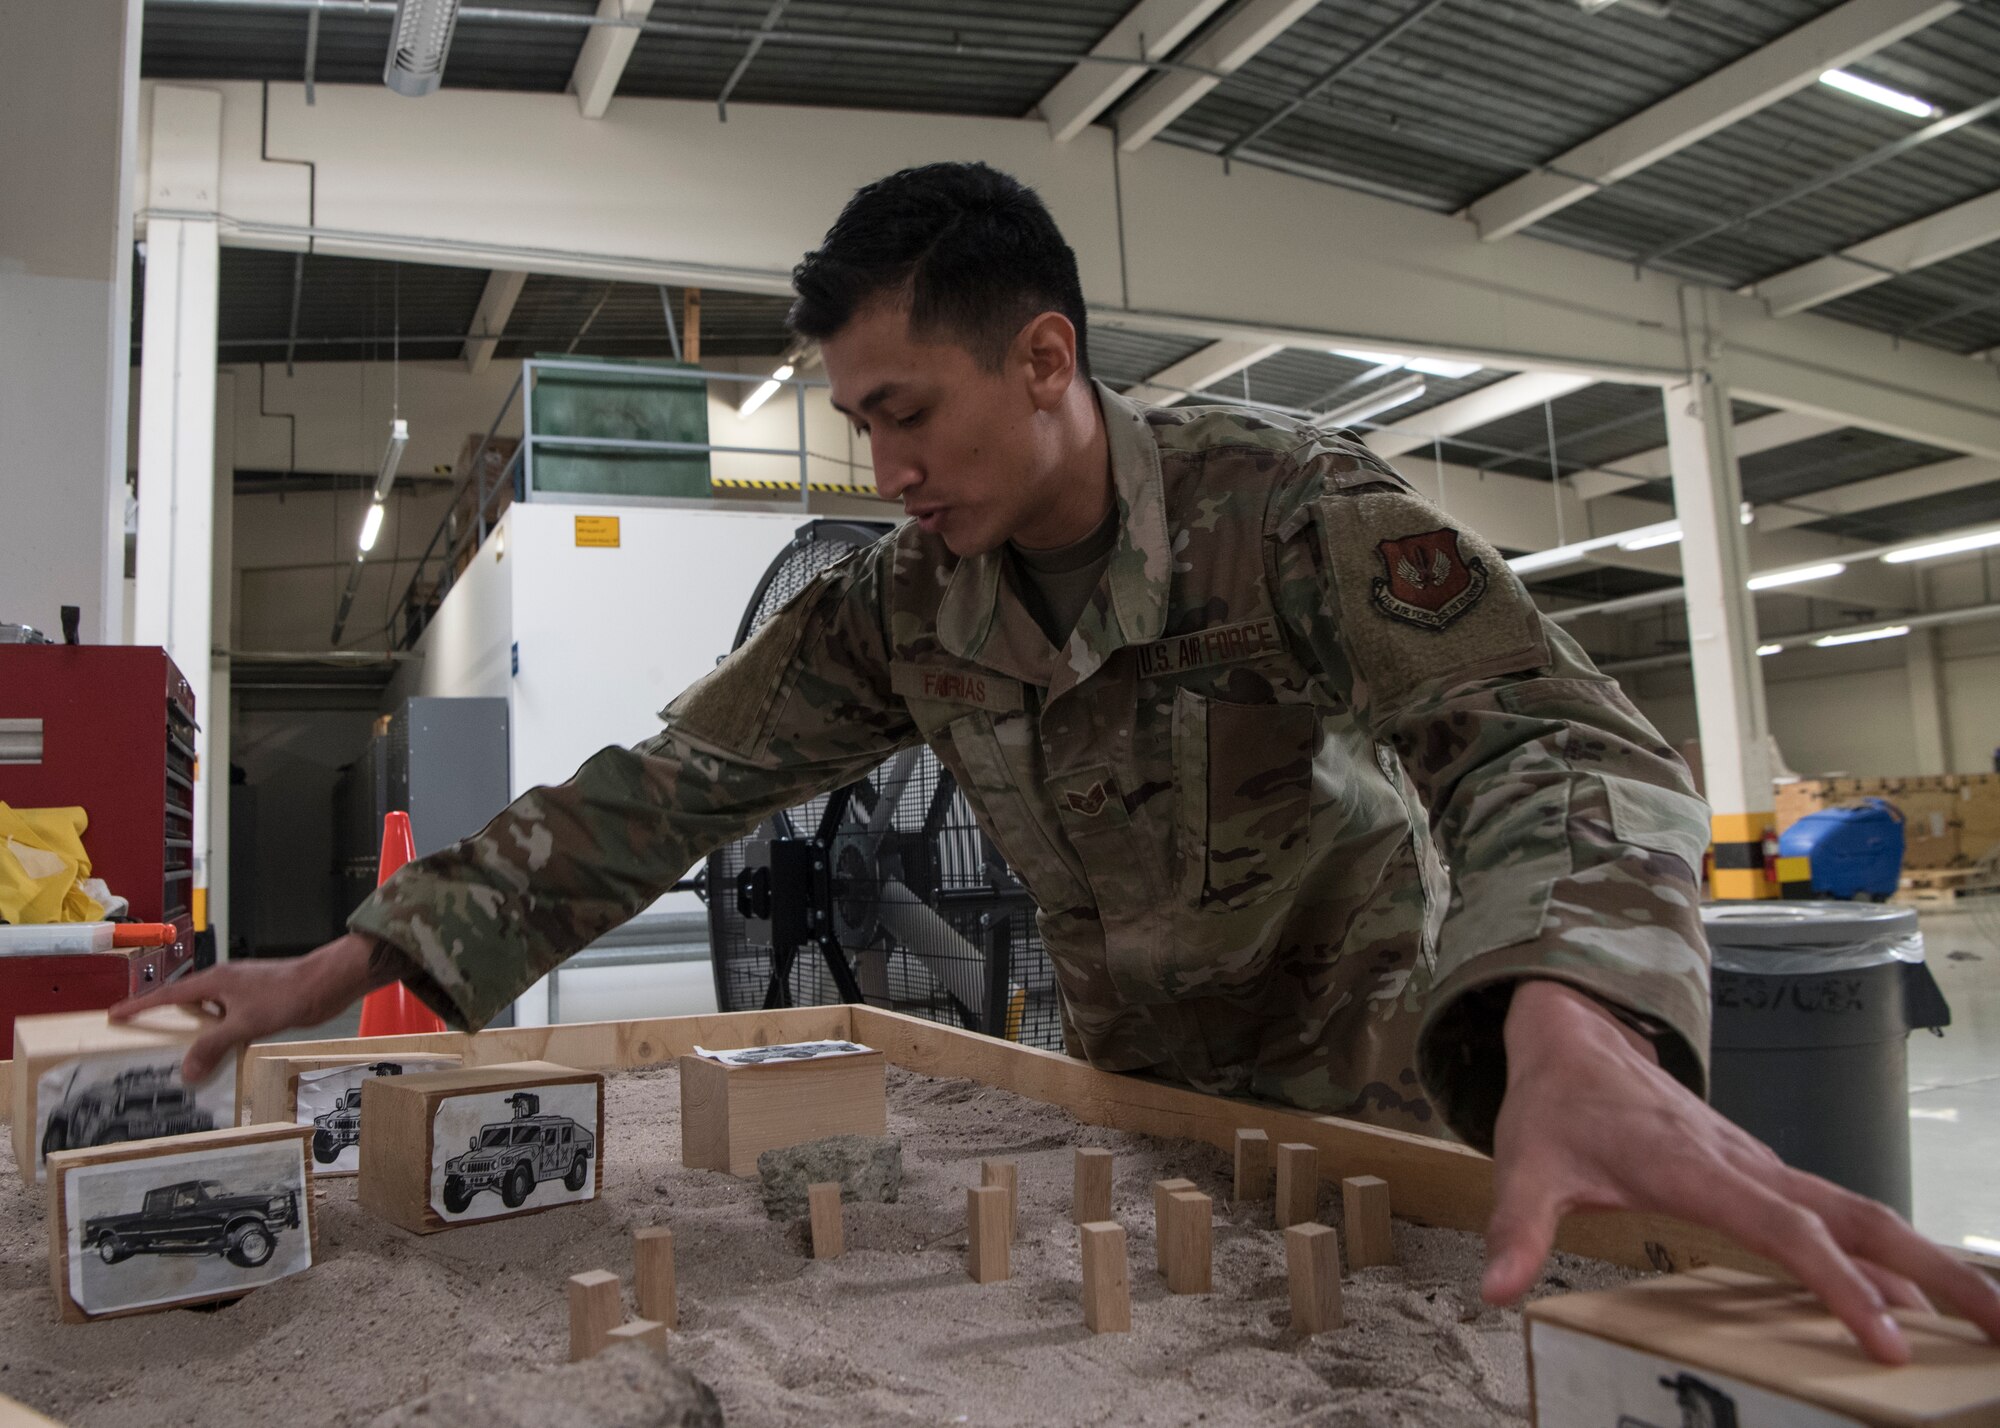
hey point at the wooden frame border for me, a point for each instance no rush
(1434, 1182)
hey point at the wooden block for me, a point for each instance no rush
(1161, 1190)
(986, 1233)
(1190, 1233)
(120, 1219)
(1365, 1199)
(324, 1093)
(79, 1080)
(596, 1305)
(1298, 1184)
(1253, 1166)
(829, 1242)
(1312, 1259)
(653, 1275)
(650, 1332)
(1092, 1200)
(1719, 1346)
(441, 1148)
(1007, 1175)
(19, 1415)
(732, 1114)
(1107, 1289)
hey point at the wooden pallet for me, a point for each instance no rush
(1941, 887)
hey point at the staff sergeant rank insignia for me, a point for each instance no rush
(1429, 582)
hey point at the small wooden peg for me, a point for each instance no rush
(1366, 1202)
(1190, 1229)
(1107, 1290)
(650, 1332)
(1298, 1184)
(1007, 1175)
(1162, 1253)
(1093, 1187)
(653, 1273)
(595, 1308)
(1253, 1166)
(1312, 1258)
(986, 1232)
(829, 1240)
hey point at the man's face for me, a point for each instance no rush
(960, 446)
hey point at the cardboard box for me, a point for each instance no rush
(80, 1080)
(441, 1148)
(1734, 1350)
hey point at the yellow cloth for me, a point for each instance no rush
(42, 863)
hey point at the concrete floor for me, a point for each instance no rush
(1955, 1083)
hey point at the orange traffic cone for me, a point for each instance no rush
(395, 1010)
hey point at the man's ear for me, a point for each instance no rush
(1045, 350)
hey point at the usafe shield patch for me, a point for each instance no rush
(1429, 583)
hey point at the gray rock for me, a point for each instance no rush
(626, 1386)
(868, 1167)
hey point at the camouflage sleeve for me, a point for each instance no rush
(804, 706)
(1572, 833)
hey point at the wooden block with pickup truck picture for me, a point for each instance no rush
(440, 1148)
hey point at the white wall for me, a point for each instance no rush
(68, 94)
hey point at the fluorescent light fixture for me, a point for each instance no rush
(1954, 545)
(765, 391)
(1747, 512)
(1856, 637)
(1396, 394)
(1880, 94)
(371, 527)
(1982, 1243)
(1763, 650)
(1651, 539)
(392, 457)
(1429, 366)
(1547, 559)
(418, 42)
(1776, 578)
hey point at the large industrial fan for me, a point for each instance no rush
(885, 891)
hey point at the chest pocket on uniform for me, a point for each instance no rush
(992, 762)
(1243, 784)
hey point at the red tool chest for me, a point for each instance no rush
(109, 727)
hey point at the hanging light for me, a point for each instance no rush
(1776, 578)
(418, 43)
(1855, 637)
(392, 457)
(1650, 539)
(1875, 93)
(371, 526)
(1396, 394)
(1951, 545)
(1766, 650)
(767, 389)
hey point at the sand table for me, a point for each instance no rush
(892, 1333)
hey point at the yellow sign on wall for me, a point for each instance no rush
(597, 530)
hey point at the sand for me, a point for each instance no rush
(892, 1333)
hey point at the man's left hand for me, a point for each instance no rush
(1591, 1122)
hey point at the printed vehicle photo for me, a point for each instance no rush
(512, 1157)
(138, 1104)
(337, 1129)
(196, 1217)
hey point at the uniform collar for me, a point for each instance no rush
(1130, 606)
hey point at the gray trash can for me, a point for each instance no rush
(1814, 1004)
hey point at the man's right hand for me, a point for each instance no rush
(253, 999)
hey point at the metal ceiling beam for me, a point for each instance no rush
(1233, 44)
(1148, 30)
(1201, 369)
(1764, 433)
(771, 17)
(600, 64)
(1959, 474)
(489, 319)
(1761, 78)
(1502, 399)
(1946, 234)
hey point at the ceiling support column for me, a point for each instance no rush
(177, 406)
(1722, 624)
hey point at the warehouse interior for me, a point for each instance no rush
(313, 371)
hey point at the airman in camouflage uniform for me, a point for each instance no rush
(1309, 782)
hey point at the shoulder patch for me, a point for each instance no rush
(1420, 602)
(1427, 581)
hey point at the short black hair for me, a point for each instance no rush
(972, 251)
